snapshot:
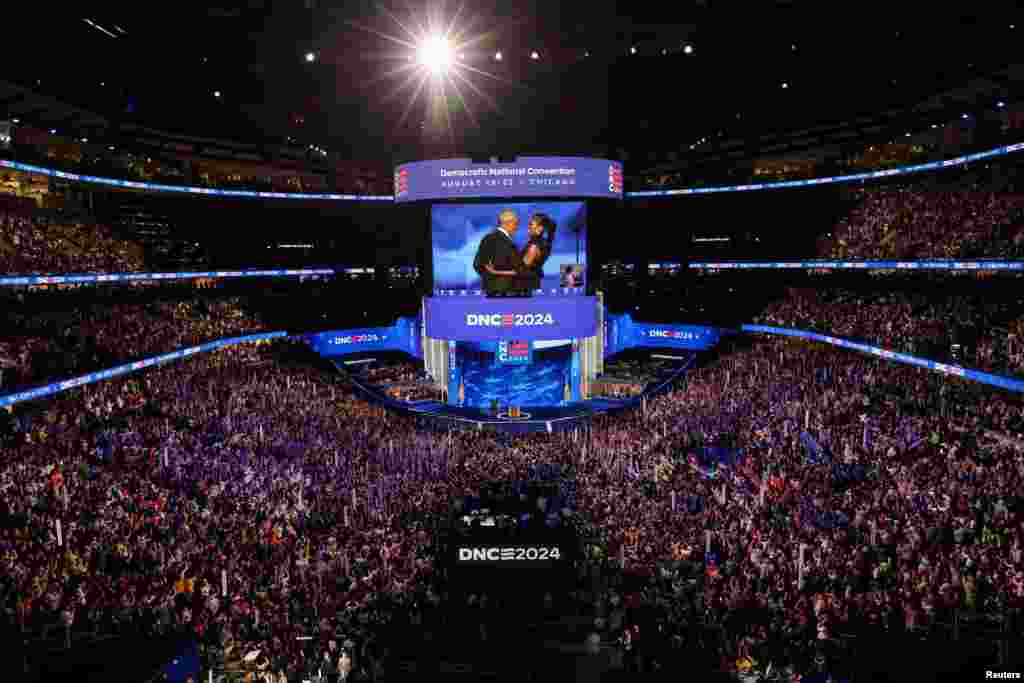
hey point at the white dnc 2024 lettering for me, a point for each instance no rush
(508, 320)
(494, 554)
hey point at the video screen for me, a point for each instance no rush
(572, 275)
(459, 230)
(543, 381)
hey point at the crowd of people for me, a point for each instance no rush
(784, 495)
(913, 323)
(914, 222)
(29, 246)
(35, 348)
(252, 503)
(394, 372)
(401, 381)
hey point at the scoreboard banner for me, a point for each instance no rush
(342, 342)
(186, 189)
(675, 336)
(108, 278)
(622, 333)
(402, 336)
(1007, 383)
(828, 180)
(1017, 266)
(484, 319)
(110, 373)
(525, 177)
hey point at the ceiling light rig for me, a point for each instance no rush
(436, 55)
(435, 68)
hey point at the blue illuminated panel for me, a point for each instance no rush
(861, 265)
(930, 166)
(955, 370)
(57, 387)
(610, 186)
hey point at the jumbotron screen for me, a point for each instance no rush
(458, 229)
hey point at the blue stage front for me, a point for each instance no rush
(480, 378)
(536, 354)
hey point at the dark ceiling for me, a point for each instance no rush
(160, 65)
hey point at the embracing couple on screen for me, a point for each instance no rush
(506, 270)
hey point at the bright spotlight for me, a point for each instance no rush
(310, 57)
(497, 56)
(688, 49)
(436, 55)
(534, 55)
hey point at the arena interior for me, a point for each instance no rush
(377, 341)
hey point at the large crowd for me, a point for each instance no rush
(35, 348)
(915, 222)
(914, 323)
(30, 246)
(252, 502)
(229, 472)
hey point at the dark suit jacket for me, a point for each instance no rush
(499, 249)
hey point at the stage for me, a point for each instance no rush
(443, 416)
(532, 419)
(540, 364)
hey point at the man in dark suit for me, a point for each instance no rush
(497, 259)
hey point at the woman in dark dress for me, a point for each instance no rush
(534, 255)
(538, 249)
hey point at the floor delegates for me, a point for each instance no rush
(911, 323)
(253, 505)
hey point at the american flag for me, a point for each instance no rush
(615, 178)
(518, 348)
(401, 182)
(506, 320)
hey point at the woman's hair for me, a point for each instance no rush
(549, 226)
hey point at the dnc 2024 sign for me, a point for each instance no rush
(508, 319)
(342, 340)
(539, 318)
